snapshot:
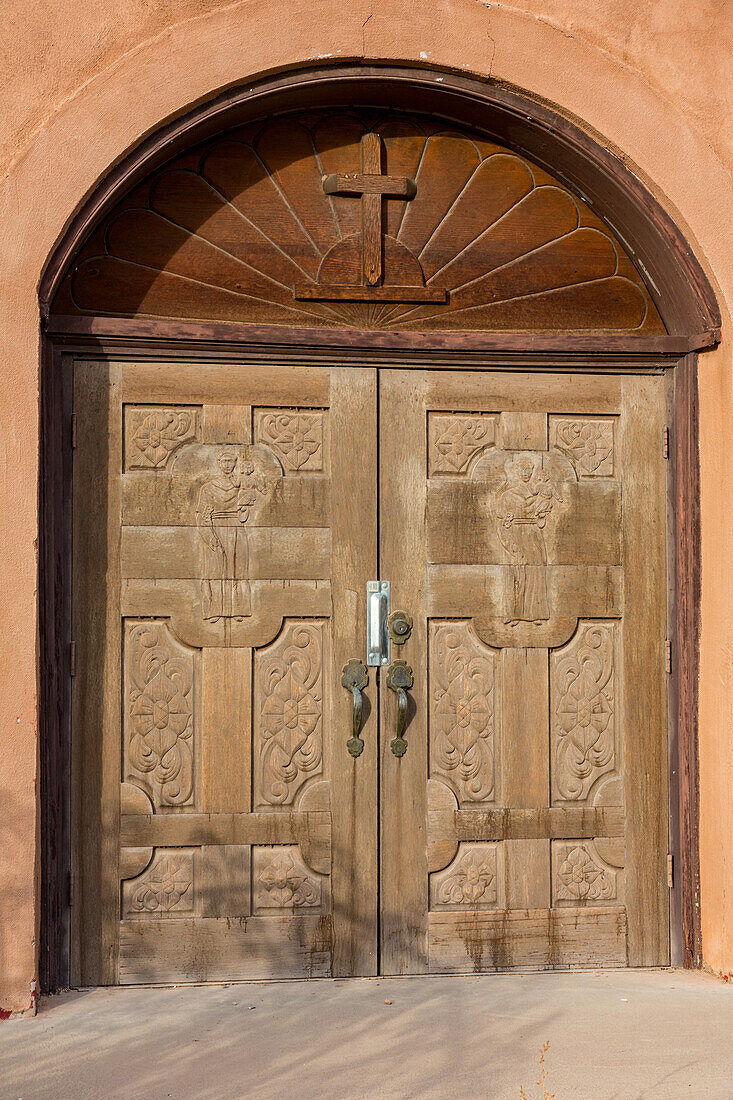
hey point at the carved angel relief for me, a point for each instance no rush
(289, 727)
(159, 702)
(583, 704)
(462, 721)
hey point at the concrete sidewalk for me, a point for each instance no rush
(612, 1034)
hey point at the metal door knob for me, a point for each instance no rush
(399, 625)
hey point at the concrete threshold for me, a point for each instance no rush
(608, 1034)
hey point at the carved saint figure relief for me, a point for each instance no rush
(582, 679)
(522, 510)
(462, 718)
(159, 695)
(223, 509)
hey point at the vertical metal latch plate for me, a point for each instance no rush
(377, 612)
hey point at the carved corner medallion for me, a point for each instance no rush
(160, 715)
(455, 440)
(587, 441)
(166, 888)
(469, 882)
(298, 437)
(580, 877)
(463, 717)
(281, 880)
(154, 433)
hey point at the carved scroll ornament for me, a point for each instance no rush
(462, 717)
(583, 704)
(159, 698)
(289, 737)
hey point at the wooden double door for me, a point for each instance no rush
(227, 520)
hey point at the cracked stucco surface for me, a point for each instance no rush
(681, 49)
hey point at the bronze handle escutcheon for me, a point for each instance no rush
(355, 678)
(400, 680)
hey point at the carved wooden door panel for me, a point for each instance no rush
(522, 525)
(222, 531)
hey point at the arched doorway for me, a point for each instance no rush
(419, 341)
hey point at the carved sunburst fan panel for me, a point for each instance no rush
(280, 223)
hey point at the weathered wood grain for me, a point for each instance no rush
(645, 688)
(218, 950)
(534, 939)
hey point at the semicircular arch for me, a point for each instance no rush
(519, 221)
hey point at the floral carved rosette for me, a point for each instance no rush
(471, 880)
(166, 886)
(295, 437)
(579, 878)
(587, 443)
(456, 440)
(282, 882)
(154, 435)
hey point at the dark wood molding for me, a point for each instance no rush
(213, 332)
(685, 815)
(675, 278)
(54, 684)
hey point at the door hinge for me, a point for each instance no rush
(668, 655)
(72, 658)
(73, 430)
(670, 870)
(72, 885)
(665, 443)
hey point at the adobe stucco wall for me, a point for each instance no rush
(83, 82)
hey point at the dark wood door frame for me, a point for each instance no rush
(675, 278)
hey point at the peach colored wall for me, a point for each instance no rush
(83, 82)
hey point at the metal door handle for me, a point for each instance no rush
(400, 680)
(355, 678)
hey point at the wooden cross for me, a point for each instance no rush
(371, 186)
